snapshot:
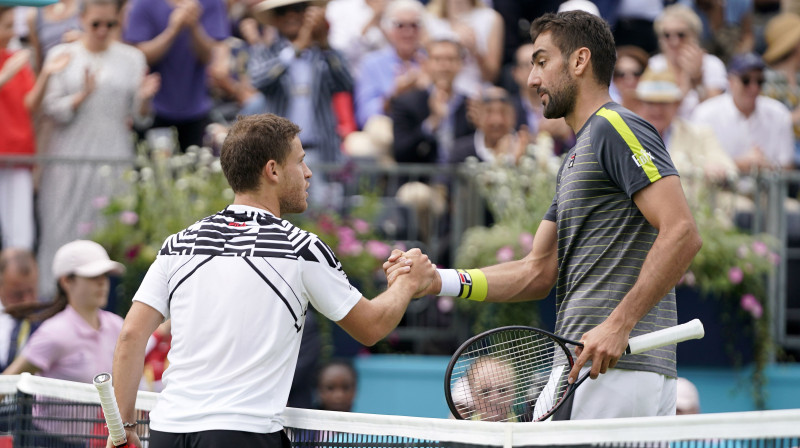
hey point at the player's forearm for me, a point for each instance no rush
(520, 280)
(127, 371)
(668, 259)
(388, 310)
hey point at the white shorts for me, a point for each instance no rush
(624, 393)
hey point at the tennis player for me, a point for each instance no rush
(616, 239)
(236, 286)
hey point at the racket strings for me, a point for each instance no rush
(504, 376)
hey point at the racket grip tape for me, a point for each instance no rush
(679, 333)
(110, 409)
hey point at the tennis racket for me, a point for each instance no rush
(110, 409)
(520, 373)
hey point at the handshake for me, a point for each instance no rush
(413, 270)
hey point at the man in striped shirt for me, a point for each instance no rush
(236, 286)
(616, 239)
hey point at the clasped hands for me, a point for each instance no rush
(412, 266)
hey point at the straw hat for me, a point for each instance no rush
(263, 11)
(658, 87)
(782, 35)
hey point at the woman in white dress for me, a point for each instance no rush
(479, 29)
(93, 102)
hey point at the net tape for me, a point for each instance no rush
(80, 405)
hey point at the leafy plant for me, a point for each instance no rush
(167, 193)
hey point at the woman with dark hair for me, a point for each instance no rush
(76, 338)
(631, 62)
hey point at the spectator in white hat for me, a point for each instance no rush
(77, 338)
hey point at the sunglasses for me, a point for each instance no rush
(747, 80)
(111, 24)
(622, 75)
(403, 25)
(297, 7)
(667, 35)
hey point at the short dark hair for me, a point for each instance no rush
(347, 364)
(575, 29)
(253, 141)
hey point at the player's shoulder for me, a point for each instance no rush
(617, 120)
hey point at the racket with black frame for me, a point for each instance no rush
(113, 418)
(519, 373)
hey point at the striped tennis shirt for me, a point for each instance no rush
(603, 238)
(237, 286)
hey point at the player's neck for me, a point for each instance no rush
(588, 102)
(258, 201)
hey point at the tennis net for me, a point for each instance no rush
(42, 412)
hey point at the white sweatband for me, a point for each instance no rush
(451, 284)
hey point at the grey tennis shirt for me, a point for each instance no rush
(603, 238)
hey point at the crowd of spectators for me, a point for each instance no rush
(395, 81)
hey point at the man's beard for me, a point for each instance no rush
(562, 101)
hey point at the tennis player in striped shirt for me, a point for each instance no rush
(616, 239)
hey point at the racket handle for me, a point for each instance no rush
(110, 410)
(679, 333)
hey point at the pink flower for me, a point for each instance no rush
(346, 234)
(445, 304)
(361, 226)
(350, 248)
(378, 249)
(774, 258)
(735, 275)
(526, 241)
(100, 202)
(128, 217)
(760, 248)
(132, 252)
(505, 253)
(751, 304)
(326, 224)
(85, 228)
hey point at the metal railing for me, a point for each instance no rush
(440, 235)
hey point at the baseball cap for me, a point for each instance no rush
(743, 63)
(84, 258)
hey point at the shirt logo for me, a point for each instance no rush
(571, 161)
(642, 159)
(237, 224)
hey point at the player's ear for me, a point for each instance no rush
(580, 61)
(271, 172)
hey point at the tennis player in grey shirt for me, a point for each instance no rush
(616, 239)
